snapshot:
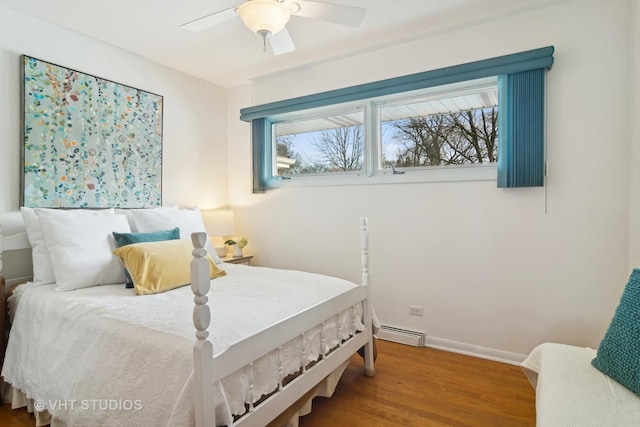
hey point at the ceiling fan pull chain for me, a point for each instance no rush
(264, 35)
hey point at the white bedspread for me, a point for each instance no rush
(81, 350)
(572, 393)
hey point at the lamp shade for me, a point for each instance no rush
(264, 16)
(219, 222)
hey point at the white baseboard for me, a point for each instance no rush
(475, 351)
(420, 339)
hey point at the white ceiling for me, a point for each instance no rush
(229, 54)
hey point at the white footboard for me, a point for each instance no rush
(245, 352)
(203, 349)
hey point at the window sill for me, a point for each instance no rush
(445, 174)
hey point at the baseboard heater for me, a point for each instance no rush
(402, 336)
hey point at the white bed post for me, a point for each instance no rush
(369, 368)
(202, 349)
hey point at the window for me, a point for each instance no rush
(488, 112)
(323, 145)
(456, 125)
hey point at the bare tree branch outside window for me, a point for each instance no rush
(341, 149)
(466, 137)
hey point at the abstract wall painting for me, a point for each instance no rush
(88, 142)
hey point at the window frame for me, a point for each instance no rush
(316, 114)
(522, 127)
(434, 93)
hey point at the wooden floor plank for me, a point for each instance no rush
(413, 387)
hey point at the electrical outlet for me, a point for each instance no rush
(415, 310)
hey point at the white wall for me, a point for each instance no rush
(634, 158)
(194, 138)
(504, 269)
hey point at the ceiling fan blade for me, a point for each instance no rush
(281, 42)
(344, 15)
(209, 21)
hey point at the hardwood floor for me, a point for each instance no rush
(412, 387)
(15, 417)
(427, 387)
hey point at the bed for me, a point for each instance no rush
(583, 387)
(249, 347)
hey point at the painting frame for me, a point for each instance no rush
(87, 141)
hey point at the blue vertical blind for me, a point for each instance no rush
(521, 78)
(261, 153)
(521, 160)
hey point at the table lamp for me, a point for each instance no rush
(219, 224)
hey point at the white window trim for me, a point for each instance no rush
(477, 172)
(371, 173)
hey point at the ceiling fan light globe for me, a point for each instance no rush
(264, 15)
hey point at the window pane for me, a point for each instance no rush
(450, 129)
(321, 145)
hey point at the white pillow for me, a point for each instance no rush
(43, 273)
(81, 247)
(129, 214)
(42, 269)
(187, 220)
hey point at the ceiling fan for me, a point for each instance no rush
(268, 18)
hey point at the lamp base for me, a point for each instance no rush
(237, 251)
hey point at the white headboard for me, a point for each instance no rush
(15, 251)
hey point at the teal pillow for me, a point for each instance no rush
(124, 239)
(619, 352)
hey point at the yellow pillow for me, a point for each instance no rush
(160, 266)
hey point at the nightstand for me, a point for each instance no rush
(246, 259)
